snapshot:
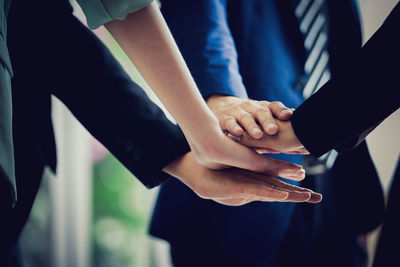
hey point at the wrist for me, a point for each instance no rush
(183, 168)
(176, 168)
(292, 141)
(203, 125)
(293, 138)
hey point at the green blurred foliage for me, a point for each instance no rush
(121, 213)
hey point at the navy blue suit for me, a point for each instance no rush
(254, 49)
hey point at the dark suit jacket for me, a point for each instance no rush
(365, 87)
(7, 172)
(254, 49)
(57, 55)
(346, 109)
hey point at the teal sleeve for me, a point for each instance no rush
(99, 12)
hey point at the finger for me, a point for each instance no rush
(280, 111)
(255, 187)
(295, 152)
(293, 196)
(259, 150)
(249, 124)
(262, 150)
(232, 126)
(264, 192)
(303, 151)
(296, 193)
(274, 167)
(248, 159)
(234, 202)
(279, 168)
(314, 198)
(264, 142)
(270, 144)
(265, 118)
(242, 185)
(234, 137)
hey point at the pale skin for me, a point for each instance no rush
(283, 142)
(245, 119)
(158, 59)
(238, 115)
(145, 38)
(235, 187)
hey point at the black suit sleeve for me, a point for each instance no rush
(364, 92)
(79, 70)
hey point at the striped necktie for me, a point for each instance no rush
(313, 22)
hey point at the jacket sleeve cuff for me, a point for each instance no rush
(147, 163)
(315, 128)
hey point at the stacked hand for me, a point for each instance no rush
(236, 115)
(159, 61)
(257, 124)
(235, 187)
(283, 142)
(246, 121)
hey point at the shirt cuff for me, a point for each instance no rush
(99, 12)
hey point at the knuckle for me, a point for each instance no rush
(262, 111)
(278, 104)
(228, 119)
(248, 103)
(237, 109)
(264, 103)
(245, 117)
(230, 123)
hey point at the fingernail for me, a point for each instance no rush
(294, 177)
(286, 111)
(271, 125)
(300, 172)
(234, 137)
(255, 131)
(315, 198)
(236, 128)
(296, 169)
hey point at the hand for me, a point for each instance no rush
(158, 59)
(214, 150)
(236, 115)
(283, 142)
(235, 187)
(222, 152)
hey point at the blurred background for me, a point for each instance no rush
(106, 221)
